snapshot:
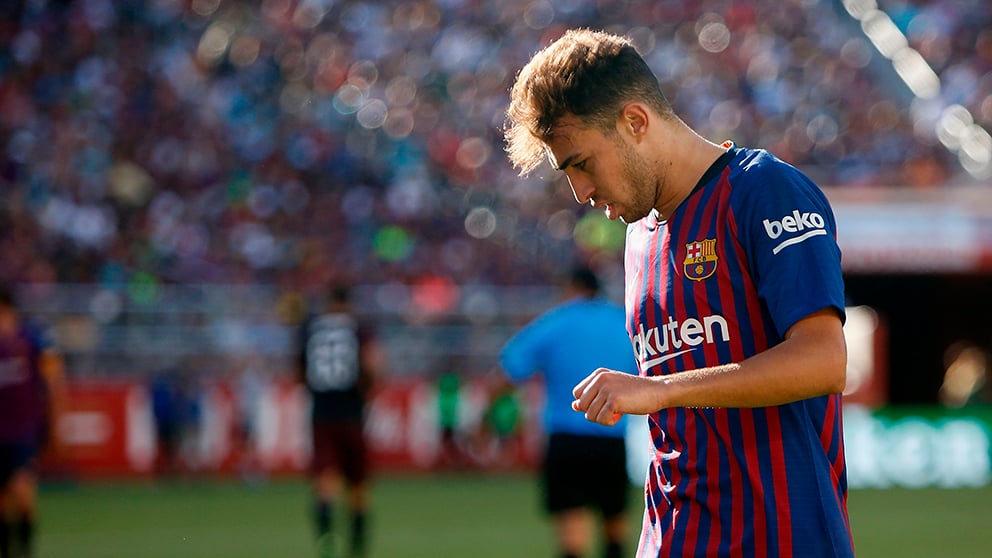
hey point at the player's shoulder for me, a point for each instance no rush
(758, 176)
(560, 316)
(558, 313)
(758, 167)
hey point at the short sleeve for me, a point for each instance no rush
(787, 228)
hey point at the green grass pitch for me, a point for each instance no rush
(430, 517)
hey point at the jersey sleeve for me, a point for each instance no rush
(788, 231)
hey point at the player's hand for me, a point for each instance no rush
(606, 395)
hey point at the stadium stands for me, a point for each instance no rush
(292, 142)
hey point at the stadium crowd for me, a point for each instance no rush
(293, 142)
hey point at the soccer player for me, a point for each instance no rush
(584, 332)
(734, 301)
(339, 361)
(30, 399)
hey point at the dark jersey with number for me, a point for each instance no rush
(331, 352)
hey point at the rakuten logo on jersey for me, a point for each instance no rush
(812, 223)
(654, 346)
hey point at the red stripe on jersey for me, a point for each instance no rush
(678, 287)
(678, 298)
(754, 473)
(692, 471)
(729, 311)
(647, 275)
(676, 504)
(727, 299)
(747, 416)
(827, 428)
(657, 278)
(660, 262)
(834, 403)
(751, 300)
(783, 515)
(713, 496)
(635, 262)
(737, 518)
(736, 347)
(704, 307)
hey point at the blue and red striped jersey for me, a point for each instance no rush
(751, 251)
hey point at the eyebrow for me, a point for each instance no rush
(568, 161)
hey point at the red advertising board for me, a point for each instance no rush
(109, 430)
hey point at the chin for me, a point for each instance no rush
(628, 219)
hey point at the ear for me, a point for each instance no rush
(634, 120)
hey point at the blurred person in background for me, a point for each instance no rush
(250, 385)
(451, 454)
(339, 362)
(497, 440)
(966, 376)
(586, 331)
(735, 305)
(164, 395)
(31, 399)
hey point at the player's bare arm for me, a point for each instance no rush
(810, 362)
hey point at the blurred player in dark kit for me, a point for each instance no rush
(339, 363)
(584, 332)
(30, 400)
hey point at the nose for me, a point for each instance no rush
(582, 189)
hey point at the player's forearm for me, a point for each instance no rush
(762, 381)
(811, 361)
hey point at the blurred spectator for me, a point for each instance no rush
(250, 384)
(451, 453)
(177, 409)
(497, 442)
(165, 412)
(190, 405)
(302, 142)
(968, 369)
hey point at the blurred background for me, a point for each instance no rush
(182, 179)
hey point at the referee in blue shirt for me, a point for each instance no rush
(585, 464)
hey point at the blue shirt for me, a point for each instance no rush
(565, 344)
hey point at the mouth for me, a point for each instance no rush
(609, 209)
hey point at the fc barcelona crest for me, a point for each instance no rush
(700, 259)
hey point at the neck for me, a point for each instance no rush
(687, 157)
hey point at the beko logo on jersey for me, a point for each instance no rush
(652, 346)
(812, 223)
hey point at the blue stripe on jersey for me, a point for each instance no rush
(739, 483)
